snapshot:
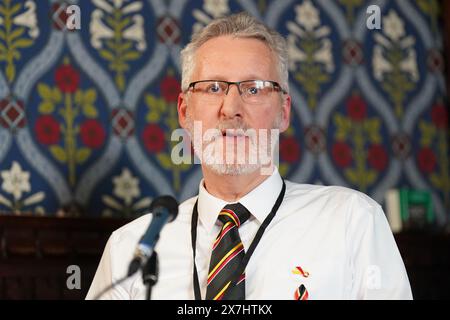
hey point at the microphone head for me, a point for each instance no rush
(167, 202)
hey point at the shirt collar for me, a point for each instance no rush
(259, 201)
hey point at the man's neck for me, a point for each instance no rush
(231, 188)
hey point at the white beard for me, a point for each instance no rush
(230, 163)
(209, 149)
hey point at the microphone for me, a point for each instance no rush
(164, 210)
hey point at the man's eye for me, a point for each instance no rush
(213, 88)
(252, 91)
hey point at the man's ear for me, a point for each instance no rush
(182, 109)
(286, 113)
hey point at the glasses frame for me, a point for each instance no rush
(276, 85)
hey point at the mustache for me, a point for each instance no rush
(229, 127)
(235, 127)
(237, 124)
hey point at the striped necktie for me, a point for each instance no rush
(227, 254)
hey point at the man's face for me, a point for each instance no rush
(233, 59)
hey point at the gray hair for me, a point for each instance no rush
(241, 25)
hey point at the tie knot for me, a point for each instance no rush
(235, 213)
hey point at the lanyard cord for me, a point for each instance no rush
(247, 255)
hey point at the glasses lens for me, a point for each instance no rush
(252, 91)
(256, 91)
(210, 91)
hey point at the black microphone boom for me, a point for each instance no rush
(164, 210)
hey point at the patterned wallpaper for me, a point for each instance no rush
(86, 115)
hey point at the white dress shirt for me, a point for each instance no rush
(338, 237)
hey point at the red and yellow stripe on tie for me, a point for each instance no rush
(222, 292)
(219, 296)
(226, 227)
(226, 258)
(232, 215)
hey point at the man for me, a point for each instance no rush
(318, 242)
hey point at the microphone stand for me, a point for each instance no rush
(150, 273)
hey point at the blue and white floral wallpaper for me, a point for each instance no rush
(86, 115)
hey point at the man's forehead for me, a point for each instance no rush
(230, 41)
(226, 54)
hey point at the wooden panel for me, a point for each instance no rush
(36, 251)
(427, 261)
(35, 254)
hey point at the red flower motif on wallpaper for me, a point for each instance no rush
(47, 130)
(170, 88)
(78, 131)
(356, 108)
(427, 160)
(92, 134)
(342, 154)
(377, 157)
(162, 118)
(289, 150)
(67, 78)
(153, 138)
(439, 116)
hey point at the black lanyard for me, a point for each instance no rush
(249, 252)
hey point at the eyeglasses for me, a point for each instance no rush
(251, 91)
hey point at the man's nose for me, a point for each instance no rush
(232, 103)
